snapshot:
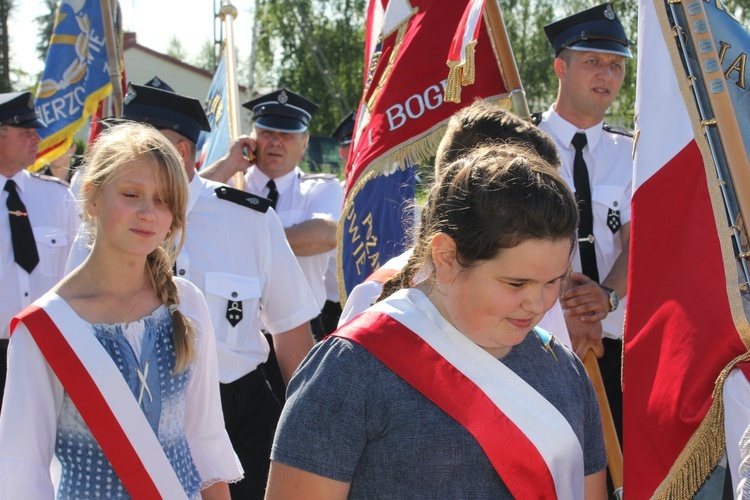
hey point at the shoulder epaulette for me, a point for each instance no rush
(243, 198)
(326, 177)
(536, 118)
(50, 178)
(617, 130)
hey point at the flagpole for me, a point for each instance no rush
(228, 14)
(611, 442)
(113, 60)
(726, 124)
(506, 59)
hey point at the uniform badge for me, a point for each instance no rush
(613, 220)
(129, 96)
(234, 312)
(609, 12)
(30, 104)
(283, 98)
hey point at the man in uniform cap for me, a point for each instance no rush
(309, 206)
(40, 217)
(331, 312)
(236, 253)
(343, 133)
(590, 52)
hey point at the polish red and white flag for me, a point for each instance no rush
(684, 321)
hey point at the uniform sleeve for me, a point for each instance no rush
(328, 201)
(362, 297)
(209, 443)
(28, 421)
(736, 421)
(286, 301)
(322, 428)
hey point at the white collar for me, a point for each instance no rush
(564, 130)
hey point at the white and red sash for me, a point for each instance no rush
(528, 441)
(102, 397)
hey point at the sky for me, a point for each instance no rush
(153, 21)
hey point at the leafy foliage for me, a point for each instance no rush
(315, 48)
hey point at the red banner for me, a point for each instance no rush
(400, 122)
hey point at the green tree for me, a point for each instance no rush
(315, 48)
(46, 25)
(5, 8)
(175, 49)
(205, 57)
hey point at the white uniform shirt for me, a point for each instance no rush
(302, 198)
(54, 217)
(234, 253)
(736, 395)
(609, 158)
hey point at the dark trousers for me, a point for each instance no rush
(610, 366)
(330, 316)
(3, 368)
(251, 413)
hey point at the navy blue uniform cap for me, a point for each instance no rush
(282, 110)
(165, 110)
(597, 29)
(345, 130)
(17, 110)
(158, 83)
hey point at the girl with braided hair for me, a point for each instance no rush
(114, 371)
(445, 388)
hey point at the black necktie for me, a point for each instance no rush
(273, 193)
(583, 197)
(24, 246)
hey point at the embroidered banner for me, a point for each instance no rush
(684, 322)
(399, 123)
(75, 76)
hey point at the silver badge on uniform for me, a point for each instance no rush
(613, 220)
(129, 96)
(283, 98)
(234, 312)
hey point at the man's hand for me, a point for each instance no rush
(240, 157)
(585, 336)
(585, 301)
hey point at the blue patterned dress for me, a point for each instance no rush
(86, 471)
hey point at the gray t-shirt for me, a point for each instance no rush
(350, 418)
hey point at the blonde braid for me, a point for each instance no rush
(160, 265)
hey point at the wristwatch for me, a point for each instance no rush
(614, 299)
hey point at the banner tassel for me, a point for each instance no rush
(469, 71)
(453, 86)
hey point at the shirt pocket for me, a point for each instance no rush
(52, 246)
(607, 203)
(225, 291)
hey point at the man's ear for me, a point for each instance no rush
(183, 147)
(444, 257)
(560, 67)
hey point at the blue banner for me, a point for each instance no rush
(75, 77)
(376, 219)
(215, 144)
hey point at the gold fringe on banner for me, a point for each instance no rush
(453, 86)
(469, 71)
(704, 449)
